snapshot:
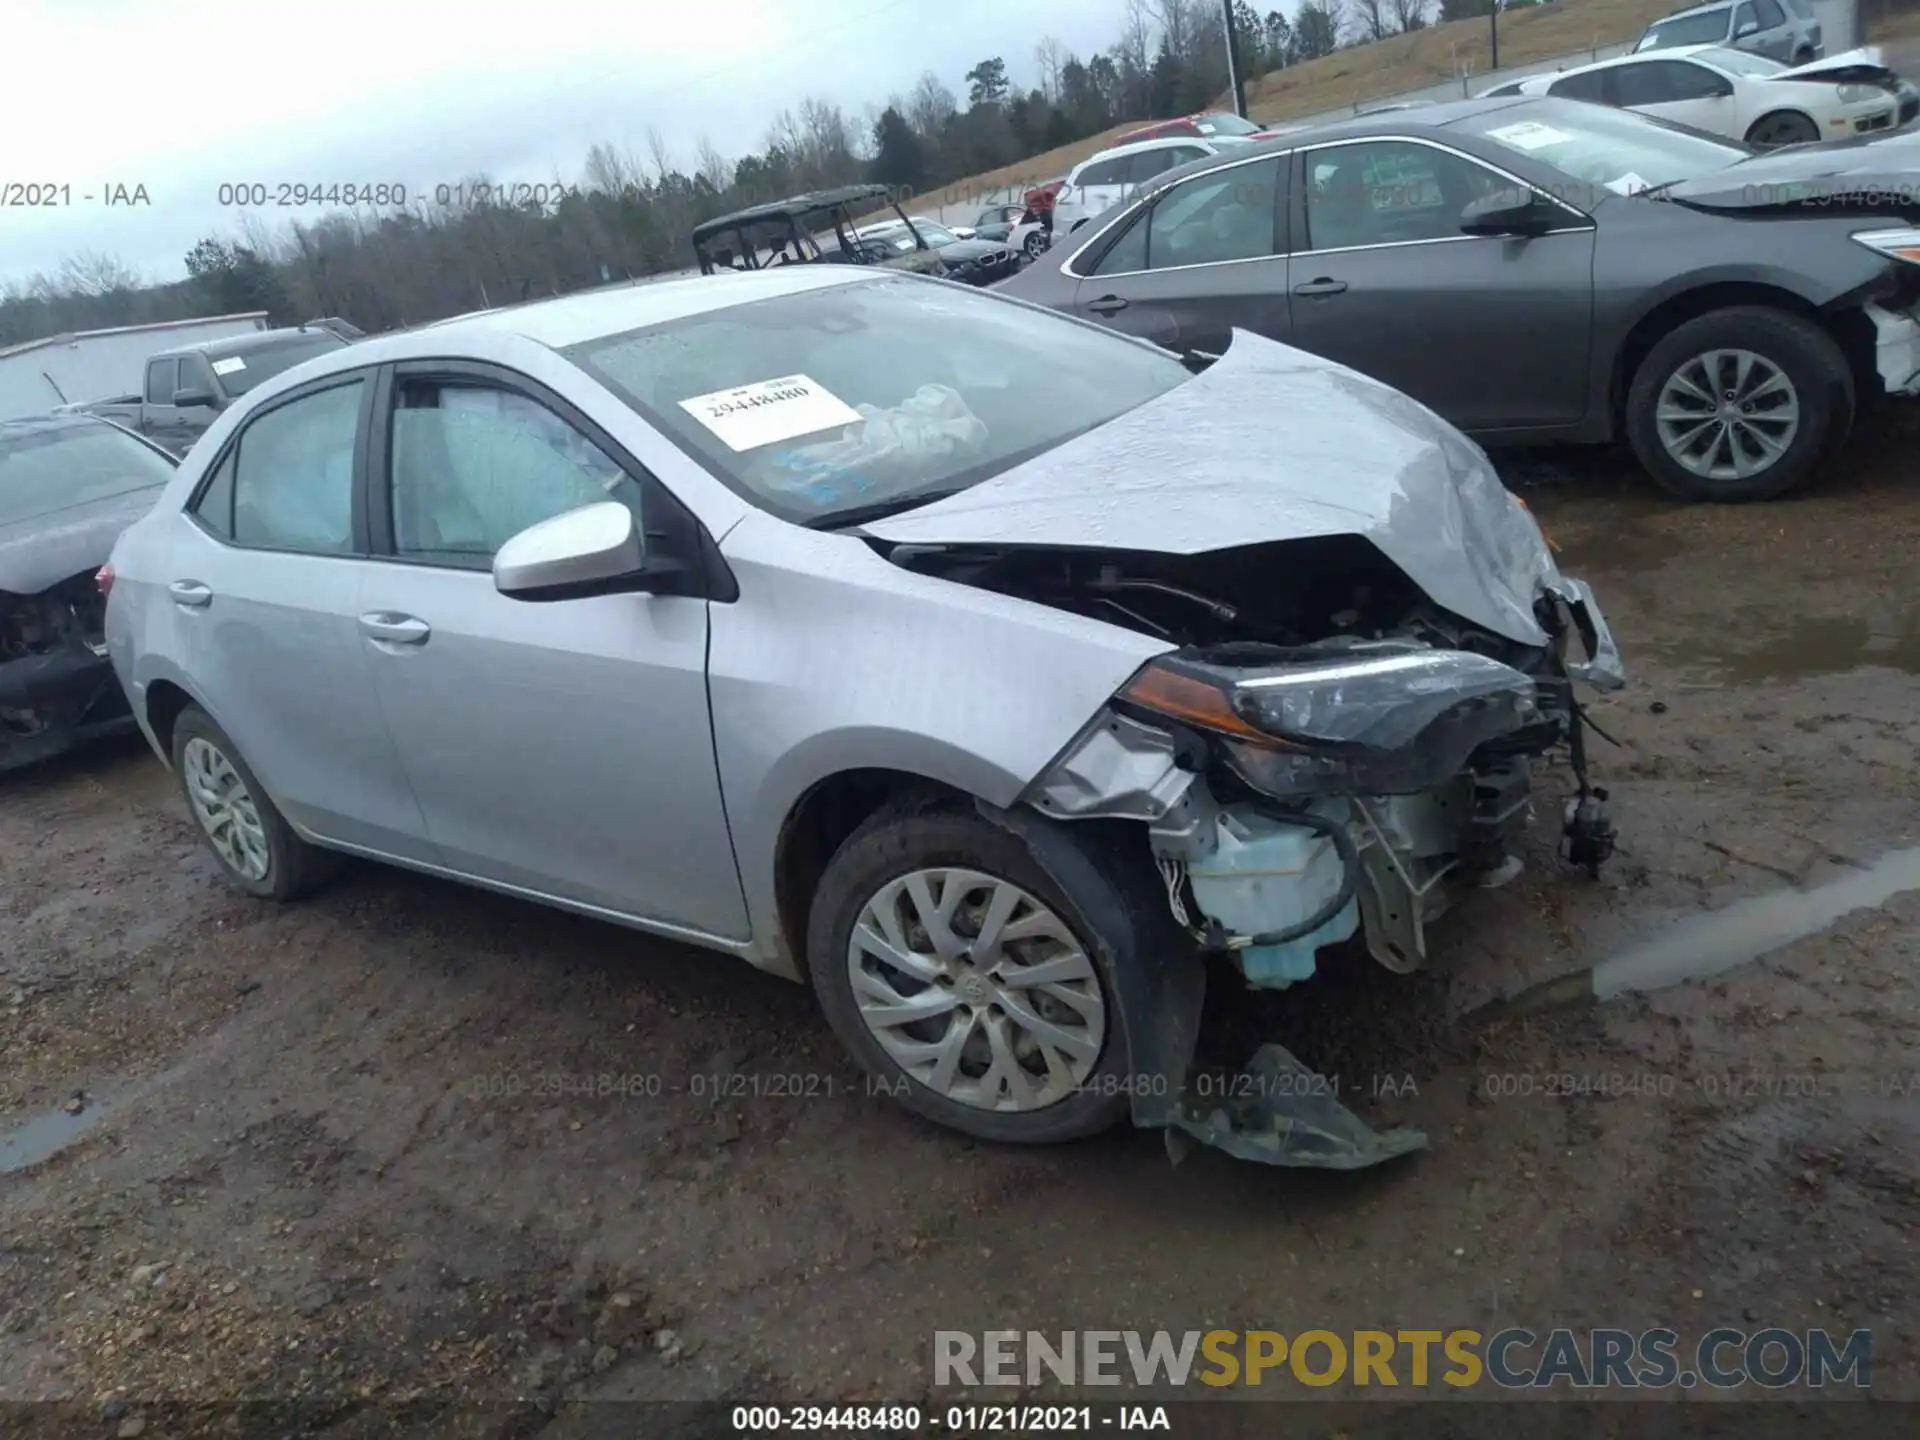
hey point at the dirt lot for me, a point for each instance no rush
(299, 1167)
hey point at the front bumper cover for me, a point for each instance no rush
(52, 702)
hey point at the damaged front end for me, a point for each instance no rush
(57, 687)
(1298, 793)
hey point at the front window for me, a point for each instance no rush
(1705, 28)
(48, 468)
(1613, 148)
(934, 234)
(1225, 125)
(1739, 62)
(1389, 192)
(872, 395)
(241, 370)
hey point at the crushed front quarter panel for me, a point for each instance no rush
(1271, 443)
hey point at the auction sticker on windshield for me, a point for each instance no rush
(229, 365)
(1528, 135)
(768, 411)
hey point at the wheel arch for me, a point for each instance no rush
(166, 700)
(1794, 110)
(1676, 310)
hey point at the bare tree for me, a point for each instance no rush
(1175, 20)
(1409, 14)
(714, 168)
(658, 153)
(92, 272)
(1373, 18)
(931, 105)
(1049, 55)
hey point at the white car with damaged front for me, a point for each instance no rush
(980, 667)
(1742, 96)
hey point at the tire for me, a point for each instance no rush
(874, 862)
(1796, 349)
(1782, 127)
(203, 755)
(1035, 245)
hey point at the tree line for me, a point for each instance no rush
(628, 214)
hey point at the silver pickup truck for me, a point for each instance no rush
(187, 387)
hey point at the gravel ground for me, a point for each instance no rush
(354, 1151)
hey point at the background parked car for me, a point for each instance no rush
(972, 262)
(1208, 125)
(1783, 29)
(1114, 176)
(1484, 258)
(1033, 232)
(1745, 97)
(68, 486)
(996, 222)
(187, 387)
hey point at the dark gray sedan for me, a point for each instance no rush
(1544, 270)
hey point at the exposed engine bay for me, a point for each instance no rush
(1327, 754)
(56, 684)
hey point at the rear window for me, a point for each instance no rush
(1701, 29)
(851, 396)
(240, 370)
(44, 470)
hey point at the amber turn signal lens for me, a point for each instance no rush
(1182, 697)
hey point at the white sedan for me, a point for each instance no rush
(1744, 97)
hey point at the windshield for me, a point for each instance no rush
(1738, 62)
(837, 399)
(1616, 148)
(1225, 125)
(1701, 29)
(44, 469)
(240, 372)
(935, 234)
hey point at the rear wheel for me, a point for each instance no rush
(1782, 127)
(1035, 244)
(257, 850)
(959, 973)
(1739, 404)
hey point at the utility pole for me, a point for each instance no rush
(1234, 77)
(1493, 24)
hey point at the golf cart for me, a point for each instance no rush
(788, 232)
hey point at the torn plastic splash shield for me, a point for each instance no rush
(1282, 1113)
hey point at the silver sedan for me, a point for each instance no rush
(975, 665)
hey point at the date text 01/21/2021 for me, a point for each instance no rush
(898, 1420)
(390, 194)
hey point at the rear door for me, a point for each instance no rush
(263, 582)
(1207, 255)
(1492, 332)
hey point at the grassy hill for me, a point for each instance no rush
(1368, 72)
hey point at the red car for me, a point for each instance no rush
(1212, 124)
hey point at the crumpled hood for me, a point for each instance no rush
(46, 549)
(1270, 443)
(1866, 64)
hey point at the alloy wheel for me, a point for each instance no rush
(977, 990)
(1035, 244)
(1774, 131)
(225, 809)
(1727, 414)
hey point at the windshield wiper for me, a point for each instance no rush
(879, 509)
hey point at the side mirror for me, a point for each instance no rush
(595, 550)
(1746, 28)
(188, 399)
(1506, 212)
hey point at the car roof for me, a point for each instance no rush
(246, 344)
(791, 206)
(1690, 10)
(1638, 57)
(1134, 147)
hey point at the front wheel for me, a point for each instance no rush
(1739, 404)
(968, 982)
(1782, 127)
(1035, 244)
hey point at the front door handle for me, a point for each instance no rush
(1323, 286)
(394, 629)
(1107, 305)
(190, 594)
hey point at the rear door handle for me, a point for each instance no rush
(394, 629)
(1107, 305)
(190, 594)
(1322, 286)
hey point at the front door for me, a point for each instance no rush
(560, 747)
(1491, 332)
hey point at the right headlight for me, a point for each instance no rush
(1378, 720)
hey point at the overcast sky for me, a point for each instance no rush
(179, 96)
